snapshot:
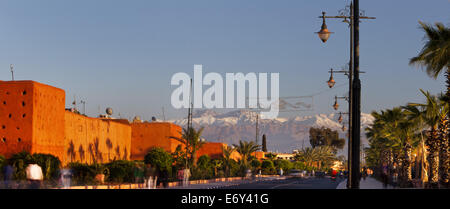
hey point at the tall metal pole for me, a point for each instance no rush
(356, 111)
(189, 123)
(350, 95)
(257, 118)
(12, 71)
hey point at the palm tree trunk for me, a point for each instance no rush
(445, 147)
(407, 165)
(433, 158)
(444, 153)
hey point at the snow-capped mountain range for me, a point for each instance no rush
(283, 134)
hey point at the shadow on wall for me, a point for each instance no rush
(96, 156)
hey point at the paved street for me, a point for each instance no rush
(290, 183)
(273, 183)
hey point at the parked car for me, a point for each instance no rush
(296, 173)
(320, 174)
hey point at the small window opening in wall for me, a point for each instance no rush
(7, 93)
(19, 140)
(10, 115)
(3, 127)
(24, 115)
(4, 139)
(4, 102)
(24, 92)
(23, 103)
(18, 128)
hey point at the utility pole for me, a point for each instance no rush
(350, 103)
(356, 103)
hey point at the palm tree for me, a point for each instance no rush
(191, 139)
(435, 57)
(430, 113)
(227, 151)
(307, 155)
(246, 149)
(435, 54)
(325, 154)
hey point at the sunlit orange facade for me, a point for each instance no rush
(147, 135)
(33, 118)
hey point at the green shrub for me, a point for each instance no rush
(255, 164)
(49, 164)
(120, 171)
(204, 169)
(267, 167)
(82, 173)
(299, 165)
(286, 165)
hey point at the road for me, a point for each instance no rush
(284, 183)
(290, 183)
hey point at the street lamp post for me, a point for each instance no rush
(354, 86)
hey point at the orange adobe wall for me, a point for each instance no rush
(260, 155)
(92, 138)
(31, 118)
(147, 135)
(213, 149)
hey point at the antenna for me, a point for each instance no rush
(84, 106)
(12, 71)
(164, 116)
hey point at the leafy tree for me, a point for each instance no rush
(286, 165)
(325, 137)
(270, 156)
(159, 158)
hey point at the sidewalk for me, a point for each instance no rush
(369, 183)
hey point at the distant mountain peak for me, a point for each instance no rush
(283, 134)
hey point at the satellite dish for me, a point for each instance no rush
(153, 118)
(109, 111)
(137, 119)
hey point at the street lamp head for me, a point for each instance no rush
(324, 33)
(340, 118)
(331, 81)
(336, 105)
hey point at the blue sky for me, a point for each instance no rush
(122, 54)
